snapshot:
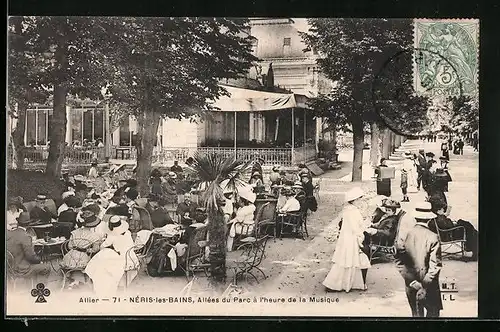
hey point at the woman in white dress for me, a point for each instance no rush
(244, 219)
(350, 263)
(411, 170)
(115, 259)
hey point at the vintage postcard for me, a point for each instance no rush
(242, 167)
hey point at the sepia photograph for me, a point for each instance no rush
(249, 166)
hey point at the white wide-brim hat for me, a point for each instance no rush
(354, 193)
(423, 211)
(247, 194)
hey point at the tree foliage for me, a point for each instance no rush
(370, 63)
(464, 114)
(171, 68)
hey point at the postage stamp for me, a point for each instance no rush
(258, 210)
(446, 57)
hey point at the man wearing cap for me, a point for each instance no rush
(419, 263)
(421, 166)
(40, 212)
(383, 232)
(25, 261)
(426, 174)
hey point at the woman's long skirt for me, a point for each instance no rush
(384, 187)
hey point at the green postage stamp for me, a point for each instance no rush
(446, 57)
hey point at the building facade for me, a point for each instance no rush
(277, 42)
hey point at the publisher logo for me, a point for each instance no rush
(40, 292)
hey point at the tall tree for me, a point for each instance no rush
(74, 50)
(170, 68)
(353, 53)
(24, 67)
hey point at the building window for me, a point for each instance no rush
(37, 126)
(255, 45)
(286, 46)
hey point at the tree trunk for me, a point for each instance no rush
(18, 136)
(374, 145)
(393, 142)
(57, 135)
(147, 127)
(217, 245)
(386, 143)
(398, 141)
(358, 138)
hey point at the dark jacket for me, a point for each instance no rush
(387, 226)
(43, 215)
(159, 217)
(421, 163)
(19, 244)
(195, 216)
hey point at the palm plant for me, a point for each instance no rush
(211, 170)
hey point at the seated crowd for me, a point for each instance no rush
(100, 216)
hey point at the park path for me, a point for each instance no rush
(385, 295)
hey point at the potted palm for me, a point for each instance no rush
(211, 170)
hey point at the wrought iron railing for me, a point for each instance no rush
(79, 155)
(72, 155)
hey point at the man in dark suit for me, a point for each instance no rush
(419, 263)
(159, 216)
(24, 259)
(421, 164)
(40, 212)
(188, 211)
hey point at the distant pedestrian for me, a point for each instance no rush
(444, 150)
(460, 145)
(421, 165)
(419, 263)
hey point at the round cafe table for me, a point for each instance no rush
(50, 251)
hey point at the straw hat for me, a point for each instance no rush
(248, 194)
(353, 194)
(119, 226)
(423, 211)
(41, 197)
(172, 175)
